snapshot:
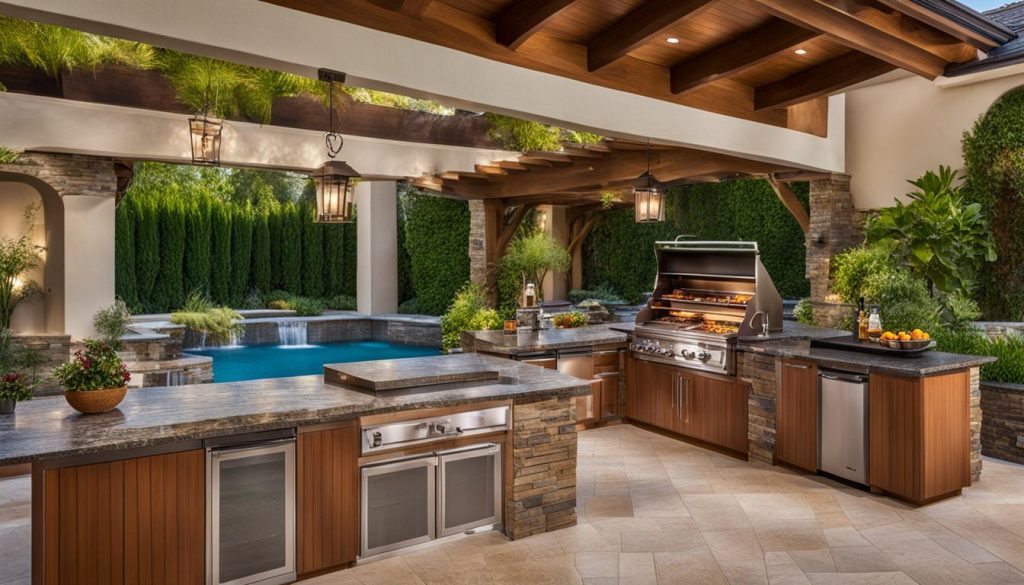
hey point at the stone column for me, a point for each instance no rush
(377, 247)
(833, 228)
(477, 242)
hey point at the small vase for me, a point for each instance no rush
(7, 406)
(95, 401)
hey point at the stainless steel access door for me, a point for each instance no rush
(250, 503)
(397, 504)
(843, 449)
(469, 494)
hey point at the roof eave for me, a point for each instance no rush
(969, 18)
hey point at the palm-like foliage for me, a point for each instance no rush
(937, 234)
(54, 50)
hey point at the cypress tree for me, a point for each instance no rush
(291, 249)
(275, 225)
(147, 247)
(220, 252)
(169, 289)
(241, 252)
(334, 259)
(124, 252)
(261, 251)
(197, 245)
(312, 253)
(349, 267)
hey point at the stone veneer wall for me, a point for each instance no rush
(1002, 435)
(542, 497)
(976, 424)
(477, 242)
(835, 226)
(53, 349)
(759, 371)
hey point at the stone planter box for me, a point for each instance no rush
(1002, 428)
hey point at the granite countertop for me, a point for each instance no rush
(545, 340)
(48, 428)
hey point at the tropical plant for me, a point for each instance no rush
(569, 320)
(468, 310)
(97, 367)
(852, 268)
(939, 235)
(112, 323)
(532, 256)
(804, 312)
(197, 302)
(17, 256)
(219, 324)
(8, 155)
(525, 135)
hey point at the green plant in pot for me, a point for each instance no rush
(17, 378)
(95, 380)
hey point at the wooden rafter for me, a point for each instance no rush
(967, 35)
(848, 29)
(745, 52)
(789, 199)
(522, 18)
(509, 230)
(410, 8)
(824, 79)
(588, 225)
(638, 27)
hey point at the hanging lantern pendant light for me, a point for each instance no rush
(334, 179)
(205, 133)
(649, 195)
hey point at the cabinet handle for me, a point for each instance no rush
(686, 406)
(797, 366)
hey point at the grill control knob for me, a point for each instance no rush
(665, 352)
(703, 356)
(689, 354)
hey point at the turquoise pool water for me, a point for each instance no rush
(253, 362)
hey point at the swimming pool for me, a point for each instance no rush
(252, 362)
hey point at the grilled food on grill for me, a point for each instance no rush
(684, 295)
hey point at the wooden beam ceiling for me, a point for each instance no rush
(522, 18)
(848, 29)
(637, 28)
(740, 54)
(956, 30)
(411, 8)
(824, 79)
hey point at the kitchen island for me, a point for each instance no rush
(124, 494)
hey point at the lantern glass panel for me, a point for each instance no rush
(205, 134)
(650, 205)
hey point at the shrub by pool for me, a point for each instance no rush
(252, 362)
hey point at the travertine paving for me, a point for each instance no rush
(653, 510)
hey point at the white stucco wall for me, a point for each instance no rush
(899, 129)
(30, 316)
(89, 265)
(377, 247)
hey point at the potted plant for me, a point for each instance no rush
(95, 379)
(16, 384)
(569, 320)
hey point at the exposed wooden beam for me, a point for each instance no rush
(410, 8)
(588, 225)
(735, 56)
(824, 79)
(857, 34)
(521, 19)
(509, 230)
(788, 198)
(638, 27)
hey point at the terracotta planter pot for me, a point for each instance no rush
(7, 406)
(95, 401)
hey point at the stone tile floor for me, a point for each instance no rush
(655, 511)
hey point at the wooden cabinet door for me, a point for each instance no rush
(664, 388)
(139, 520)
(327, 494)
(715, 410)
(609, 404)
(796, 414)
(641, 394)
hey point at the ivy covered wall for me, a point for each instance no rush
(994, 164)
(436, 245)
(619, 253)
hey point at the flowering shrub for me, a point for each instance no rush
(98, 367)
(15, 386)
(569, 320)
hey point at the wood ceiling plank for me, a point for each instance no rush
(922, 14)
(516, 23)
(638, 27)
(411, 8)
(857, 34)
(745, 52)
(820, 80)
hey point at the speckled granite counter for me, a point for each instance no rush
(546, 340)
(48, 428)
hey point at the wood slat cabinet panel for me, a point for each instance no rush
(919, 435)
(663, 389)
(327, 507)
(139, 520)
(796, 415)
(716, 410)
(609, 406)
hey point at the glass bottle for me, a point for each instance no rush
(874, 323)
(530, 295)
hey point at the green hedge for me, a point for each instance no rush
(994, 163)
(619, 253)
(437, 238)
(177, 232)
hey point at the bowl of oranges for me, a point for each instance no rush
(916, 339)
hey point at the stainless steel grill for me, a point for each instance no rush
(706, 295)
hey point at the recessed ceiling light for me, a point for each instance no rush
(672, 40)
(800, 51)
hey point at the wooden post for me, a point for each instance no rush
(788, 198)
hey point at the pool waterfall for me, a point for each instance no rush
(292, 333)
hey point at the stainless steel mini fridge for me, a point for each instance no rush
(843, 428)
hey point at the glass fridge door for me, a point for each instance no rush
(251, 515)
(397, 504)
(470, 488)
